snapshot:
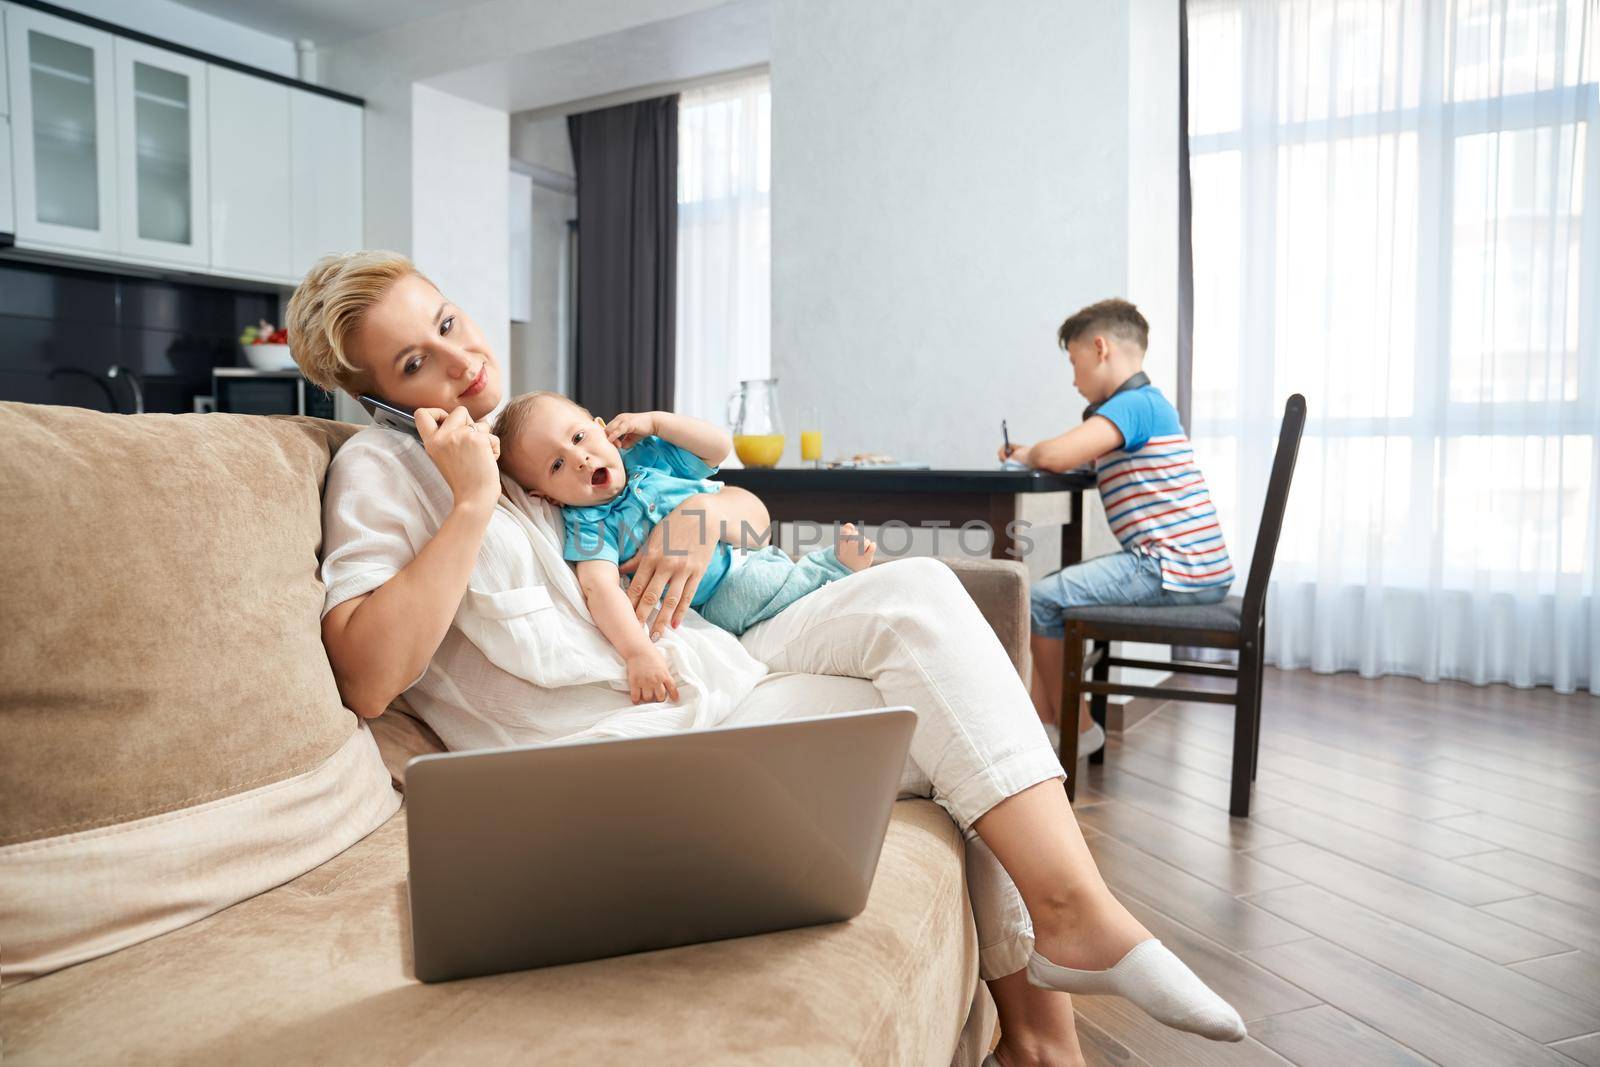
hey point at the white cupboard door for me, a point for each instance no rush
(5, 82)
(8, 220)
(64, 132)
(327, 157)
(161, 155)
(248, 147)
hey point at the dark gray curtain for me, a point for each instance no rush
(1186, 288)
(1185, 234)
(627, 163)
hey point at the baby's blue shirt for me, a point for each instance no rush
(660, 477)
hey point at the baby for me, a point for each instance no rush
(611, 499)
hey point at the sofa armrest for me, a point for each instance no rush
(1000, 589)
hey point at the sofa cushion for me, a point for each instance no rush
(318, 971)
(174, 739)
(402, 737)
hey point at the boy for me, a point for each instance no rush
(610, 500)
(1155, 497)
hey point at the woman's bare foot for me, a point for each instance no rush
(854, 550)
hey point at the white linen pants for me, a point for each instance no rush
(911, 631)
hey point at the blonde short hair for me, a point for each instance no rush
(327, 307)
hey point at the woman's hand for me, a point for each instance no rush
(465, 453)
(628, 427)
(668, 569)
(649, 680)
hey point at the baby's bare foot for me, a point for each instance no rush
(854, 550)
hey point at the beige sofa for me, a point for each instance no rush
(202, 854)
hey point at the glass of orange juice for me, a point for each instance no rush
(811, 435)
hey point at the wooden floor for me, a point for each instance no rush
(1419, 880)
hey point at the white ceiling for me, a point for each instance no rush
(729, 36)
(325, 22)
(723, 35)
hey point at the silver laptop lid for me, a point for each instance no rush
(526, 857)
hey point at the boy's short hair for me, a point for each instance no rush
(514, 416)
(1116, 316)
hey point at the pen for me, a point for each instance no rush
(1005, 438)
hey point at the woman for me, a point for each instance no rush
(406, 526)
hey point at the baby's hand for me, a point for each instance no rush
(1018, 453)
(629, 426)
(649, 680)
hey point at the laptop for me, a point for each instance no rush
(532, 856)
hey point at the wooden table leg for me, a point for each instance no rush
(1072, 533)
(1002, 512)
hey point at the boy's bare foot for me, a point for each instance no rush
(854, 550)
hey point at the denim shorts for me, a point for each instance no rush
(1125, 578)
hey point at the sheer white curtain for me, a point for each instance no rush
(724, 243)
(1397, 213)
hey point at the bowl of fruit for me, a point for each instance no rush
(266, 347)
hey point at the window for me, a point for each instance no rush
(724, 243)
(1397, 213)
(1389, 217)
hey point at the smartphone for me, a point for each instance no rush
(386, 414)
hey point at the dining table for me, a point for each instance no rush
(1012, 504)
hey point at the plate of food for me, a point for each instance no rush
(875, 461)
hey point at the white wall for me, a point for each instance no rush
(193, 29)
(459, 170)
(543, 141)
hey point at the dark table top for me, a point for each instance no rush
(895, 480)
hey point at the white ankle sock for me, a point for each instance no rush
(1157, 981)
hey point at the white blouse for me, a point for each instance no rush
(522, 661)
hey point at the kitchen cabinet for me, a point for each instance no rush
(5, 83)
(63, 129)
(251, 191)
(118, 148)
(162, 132)
(8, 220)
(325, 154)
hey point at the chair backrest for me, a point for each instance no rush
(1255, 589)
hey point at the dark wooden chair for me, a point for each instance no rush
(1237, 623)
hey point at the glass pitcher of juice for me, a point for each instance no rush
(753, 416)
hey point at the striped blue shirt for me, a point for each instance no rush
(1155, 497)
